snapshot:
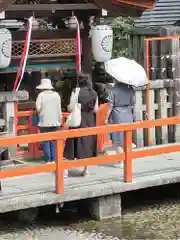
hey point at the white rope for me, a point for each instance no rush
(30, 21)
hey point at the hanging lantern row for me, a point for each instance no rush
(101, 40)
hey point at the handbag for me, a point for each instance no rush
(74, 118)
(35, 120)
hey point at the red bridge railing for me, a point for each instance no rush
(127, 156)
(33, 149)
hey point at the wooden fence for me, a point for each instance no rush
(164, 54)
(161, 106)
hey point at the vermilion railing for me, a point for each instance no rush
(33, 149)
(60, 136)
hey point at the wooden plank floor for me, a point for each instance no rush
(38, 190)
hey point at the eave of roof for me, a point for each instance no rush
(147, 4)
(125, 7)
(133, 8)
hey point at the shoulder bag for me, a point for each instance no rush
(74, 118)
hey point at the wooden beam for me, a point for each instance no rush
(45, 34)
(14, 96)
(50, 7)
(86, 49)
(138, 3)
(12, 13)
(119, 10)
(46, 60)
(147, 31)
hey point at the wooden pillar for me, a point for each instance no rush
(176, 77)
(86, 48)
(8, 99)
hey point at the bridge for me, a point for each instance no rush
(43, 184)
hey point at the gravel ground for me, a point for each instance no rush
(54, 234)
(152, 219)
(155, 221)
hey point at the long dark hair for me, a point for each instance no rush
(85, 80)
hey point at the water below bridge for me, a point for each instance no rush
(152, 213)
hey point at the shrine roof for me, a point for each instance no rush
(165, 13)
(125, 7)
(132, 8)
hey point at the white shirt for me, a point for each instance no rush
(48, 106)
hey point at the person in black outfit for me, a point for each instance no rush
(100, 80)
(84, 147)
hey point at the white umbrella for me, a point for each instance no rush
(126, 71)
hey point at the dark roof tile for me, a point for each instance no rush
(165, 13)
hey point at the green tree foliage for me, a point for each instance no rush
(122, 27)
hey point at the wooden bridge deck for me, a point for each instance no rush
(38, 190)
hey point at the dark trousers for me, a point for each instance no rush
(48, 147)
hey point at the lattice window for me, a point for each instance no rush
(46, 48)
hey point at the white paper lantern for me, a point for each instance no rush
(102, 42)
(5, 47)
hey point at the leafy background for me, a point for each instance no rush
(122, 28)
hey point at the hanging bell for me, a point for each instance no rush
(72, 23)
(35, 24)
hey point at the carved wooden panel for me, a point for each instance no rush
(46, 48)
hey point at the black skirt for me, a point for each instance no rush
(82, 147)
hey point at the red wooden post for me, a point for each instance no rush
(59, 166)
(102, 139)
(16, 123)
(128, 157)
(31, 146)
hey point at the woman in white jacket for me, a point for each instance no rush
(48, 107)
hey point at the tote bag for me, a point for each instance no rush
(74, 118)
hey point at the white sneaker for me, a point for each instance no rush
(119, 164)
(133, 146)
(119, 150)
(50, 162)
(65, 173)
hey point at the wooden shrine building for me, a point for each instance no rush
(52, 46)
